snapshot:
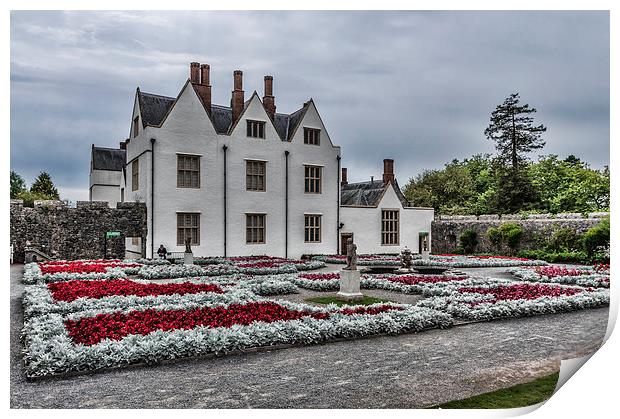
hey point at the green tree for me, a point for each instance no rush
(43, 186)
(513, 132)
(469, 241)
(18, 185)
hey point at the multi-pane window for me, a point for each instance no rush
(255, 228)
(188, 225)
(256, 129)
(135, 173)
(312, 136)
(255, 178)
(312, 175)
(136, 126)
(312, 228)
(135, 241)
(389, 227)
(188, 171)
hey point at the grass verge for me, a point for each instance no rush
(521, 395)
(332, 299)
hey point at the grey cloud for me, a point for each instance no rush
(415, 86)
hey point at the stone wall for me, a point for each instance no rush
(446, 230)
(76, 233)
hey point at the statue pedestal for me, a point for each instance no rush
(425, 254)
(350, 285)
(188, 258)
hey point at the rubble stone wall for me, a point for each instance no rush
(76, 233)
(447, 229)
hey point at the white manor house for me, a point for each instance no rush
(246, 180)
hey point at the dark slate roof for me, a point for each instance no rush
(368, 194)
(153, 108)
(108, 159)
(221, 117)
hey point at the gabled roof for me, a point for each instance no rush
(153, 108)
(108, 158)
(368, 194)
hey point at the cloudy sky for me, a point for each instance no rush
(414, 86)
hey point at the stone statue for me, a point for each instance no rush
(351, 255)
(425, 243)
(405, 259)
(188, 245)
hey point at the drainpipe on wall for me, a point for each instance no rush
(286, 154)
(152, 196)
(225, 206)
(338, 209)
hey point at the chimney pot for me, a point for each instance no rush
(269, 101)
(388, 170)
(204, 74)
(194, 72)
(123, 145)
(237, 95)
(343, 177)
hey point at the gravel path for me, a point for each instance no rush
(405, 371)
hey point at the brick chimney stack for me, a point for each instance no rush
(194, 73)
(343, 177)
(237, 95)
(203, 87)
(269, 100)
(388, 170)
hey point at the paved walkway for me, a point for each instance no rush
(405, 371)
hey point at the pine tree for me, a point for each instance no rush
(513, 132)
(44, 186)
(18, 185)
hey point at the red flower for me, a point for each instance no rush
(72, 290)
(523, 291)
(417, 279)
(320, 277)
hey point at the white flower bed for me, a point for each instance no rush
(592, 280)
(50, 350)
(456, 261)
(475, 306)
(179, 271)
(33, 275)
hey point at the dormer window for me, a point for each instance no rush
(136, 126)
(312, 136)
(256, 129)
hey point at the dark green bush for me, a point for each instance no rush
(495, 237)
(469, 241)
(564, 240)
(597, 238)
(556, 257)
(511, 234)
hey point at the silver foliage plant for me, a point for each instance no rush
(591, 279)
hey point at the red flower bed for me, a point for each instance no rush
(72, 290)
(115, 326)
(601, 267)
(320, 277)
(83, 268)
(68, 262)
(522, 291)
(417, 279)
(261, 264)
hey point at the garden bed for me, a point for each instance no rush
(597, 276)
(447, 260)
(154, 328)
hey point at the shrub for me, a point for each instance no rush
(469, 241)
(495, 237)
(596, 239)
(563, 240)
(556, 257)
(511, 234)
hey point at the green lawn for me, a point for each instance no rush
(332, 299)
(520, 395)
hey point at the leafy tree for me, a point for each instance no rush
(43, 186)
(494, 235)
(513, 132)
(511, 233)
(18, 185)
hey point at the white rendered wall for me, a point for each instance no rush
(105, 186)
(365, 224)
(188, 130)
